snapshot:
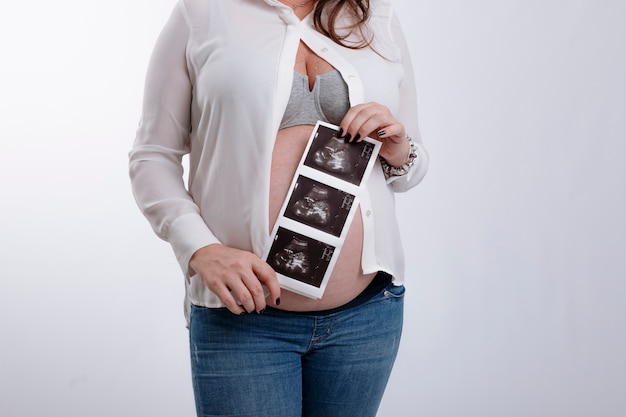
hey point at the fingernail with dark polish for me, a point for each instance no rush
(381, 133)
(243, 313)
(340, 133)
(278, 301)
(347, 138)
(261, 311)
(357, 137)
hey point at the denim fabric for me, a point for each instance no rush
(281, 364)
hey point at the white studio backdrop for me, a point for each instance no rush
(515, 240)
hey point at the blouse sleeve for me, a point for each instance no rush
(162, 140)
(408, 114)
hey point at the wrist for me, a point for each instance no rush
(392, 170)
(399, 154)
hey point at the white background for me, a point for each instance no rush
(516, 301)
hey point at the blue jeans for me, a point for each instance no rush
(281, 364)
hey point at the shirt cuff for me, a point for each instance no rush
(188, 234)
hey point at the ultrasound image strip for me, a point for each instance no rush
(320, 205)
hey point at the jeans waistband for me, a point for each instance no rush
(379, 283)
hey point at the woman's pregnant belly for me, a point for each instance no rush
(347, 279)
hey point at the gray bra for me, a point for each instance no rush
(328, 101)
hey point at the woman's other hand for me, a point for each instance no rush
(236, 277)
(377, 122)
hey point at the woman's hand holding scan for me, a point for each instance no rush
(236, 277)
(376, 121)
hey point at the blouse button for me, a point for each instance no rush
(351, 76)
(368, 213)
(324, 49)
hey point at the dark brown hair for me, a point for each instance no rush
(326, 13)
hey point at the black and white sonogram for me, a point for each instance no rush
(332, 155)
(300, 257)
(318, 205)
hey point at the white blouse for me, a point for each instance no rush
(217, 86)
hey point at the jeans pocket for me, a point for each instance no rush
(394, 291)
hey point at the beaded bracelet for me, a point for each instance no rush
(391, 171)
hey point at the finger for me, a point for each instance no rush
(268, 277)
(229, 301)
(353, 120)
(255, 295)
(245, 288)
(366, 120)
(394, 132)
(349, 117)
